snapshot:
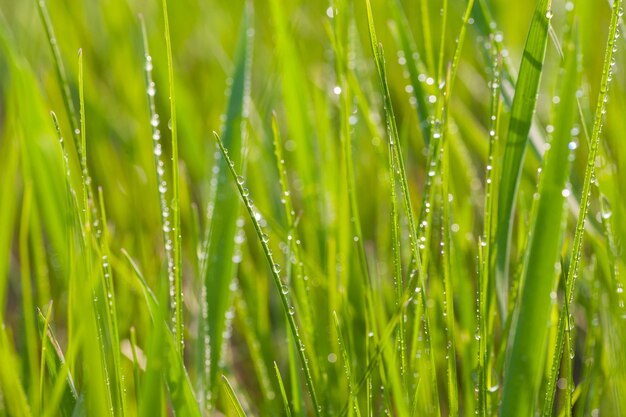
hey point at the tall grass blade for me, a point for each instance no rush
(574, 263)
(176, 287)
(288, 309)
(522, 111)
(220, 244)
(525, 359)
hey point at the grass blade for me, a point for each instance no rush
(283, 393)
(522, 112)
(176, 287)
(168, 361)
(233, 397)
(529, 333)
(219, 246)
(288, 309)
(586, 192)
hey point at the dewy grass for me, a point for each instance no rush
(429, 266)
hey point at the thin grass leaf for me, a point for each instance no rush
(111, 309)
(283, 393)
(159, 164)
(167, 359)
(288, 309)
(62, 78)
(522, 111)
(53, 360)
(29, 324)
(415, 66)
(233, 397)
(523, 369)
(586, 192)
(176, 287)
(486, 283)
(345, 355)
(219, 246)
(392, 132)
(446, 247)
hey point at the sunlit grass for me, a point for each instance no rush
(346, 208)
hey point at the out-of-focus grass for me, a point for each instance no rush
(373, 238)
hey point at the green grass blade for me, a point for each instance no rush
(283, 393)
(220, 244)
(486, 284)
(167, 358)
(159, 164)
(563, 326)
(233, 397)
(52, 357)
(529, 333)
(522, 112)
(415, 66)
(176, 287)
(27, 297)
(288, 309)
(346, 357)
(448, 296)
(62, 79)
(111, 309)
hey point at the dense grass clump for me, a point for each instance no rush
(312, 208)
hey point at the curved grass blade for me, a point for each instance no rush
(522, 111)
(523, 369)
(176, 288)
(287, 308)
(233, 397)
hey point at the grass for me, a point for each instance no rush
(362, 234)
